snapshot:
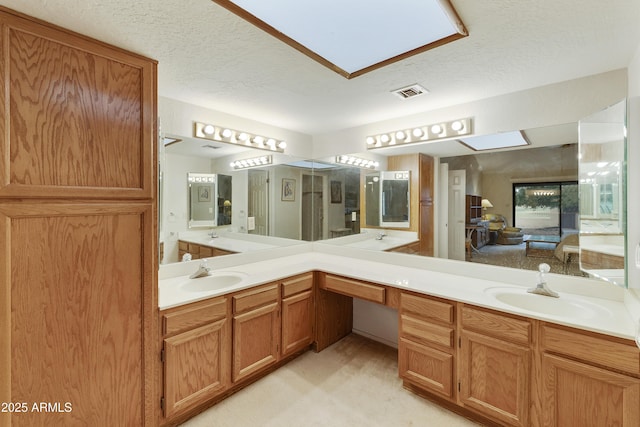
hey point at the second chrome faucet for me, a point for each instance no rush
(202, 271)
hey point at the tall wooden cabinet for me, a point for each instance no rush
(422, 191)
(77, 208)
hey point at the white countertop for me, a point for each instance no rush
(457, 287)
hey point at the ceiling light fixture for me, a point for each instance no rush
(252, 162)
(357, 161)
(348, 49)
(427, 133)
(496, 141)
(230, 136)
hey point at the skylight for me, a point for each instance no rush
(495, 141)
(353, 37)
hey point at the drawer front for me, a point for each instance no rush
(354, 288)
(426, 367)
(193, 315)
(427, 308)
(205, 251)
(296, 285)
(425, 332)
(496, 325)
(255, 298)
(592, 349)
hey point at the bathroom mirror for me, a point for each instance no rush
(602, 171)
(246, 204)
(387, 199)
(209, 199)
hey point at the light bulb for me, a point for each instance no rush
(208, 129)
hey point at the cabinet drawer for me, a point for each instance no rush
(427, 308)
(497, 325)
(592, 349)
(193, 315)
(425, 332)
(354, 288)
(296, 285)
(205, 251)
(255, 298)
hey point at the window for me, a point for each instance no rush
(549, 208)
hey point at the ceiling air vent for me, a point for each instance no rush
(213, 147)
(410, 91)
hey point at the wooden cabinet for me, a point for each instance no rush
(496, 362)
(473, 209)
(196, 354)
(256, 330)
(297, 313)
(199, 251)
(422, 191)
(600, 388)
(78, 320)
(426, 352)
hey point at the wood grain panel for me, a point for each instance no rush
(354, 288)
(193, 315)
(297, 284)
(81, 117)
(255, 298)
(600, 350)
(426, 367)
(575, 394)
(334, 317)
(425, 332)
(497, 325)
(78, 308)
(427, 308)
(196, 366)
(297, 322)
(495, 378)
(255, 341)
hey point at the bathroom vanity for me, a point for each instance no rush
(476, 346)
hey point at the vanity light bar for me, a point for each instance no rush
(201, 177)
(433, 132)
(357, 161)
(231, 136)
(252, 162)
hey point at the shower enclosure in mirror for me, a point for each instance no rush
(602, 172)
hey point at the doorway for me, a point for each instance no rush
(312, 207)
(258, 203)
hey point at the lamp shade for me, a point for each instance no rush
(486, 203)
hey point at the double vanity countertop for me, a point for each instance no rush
(448, 279)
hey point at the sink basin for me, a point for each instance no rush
(217, 280)
(565, 306)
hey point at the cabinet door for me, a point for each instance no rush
(426, 367)
(495, 378)
(76, 287)
(297, 322)
(82, 119)
(256, 335)
(196, 366)
(581, 395)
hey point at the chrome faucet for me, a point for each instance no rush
(202, 271)
(542, 288)
(213, 234)
(381, 235)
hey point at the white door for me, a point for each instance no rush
(457, 188)
(258, 206)
(443, 211)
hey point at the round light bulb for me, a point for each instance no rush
(417, 132)
(371, 140)
(226, 133)
(208, 129)
(384, 138)
(457, 125)
(437, 129)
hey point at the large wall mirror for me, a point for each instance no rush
(388, 199)
(602, 193)
(524, 204)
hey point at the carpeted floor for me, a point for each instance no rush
(352, 383)
(514, 256)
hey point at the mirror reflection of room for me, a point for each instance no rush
(521, 207)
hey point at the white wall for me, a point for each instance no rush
(633, 168)
(554, 104)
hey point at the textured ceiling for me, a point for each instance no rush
(210, 57)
